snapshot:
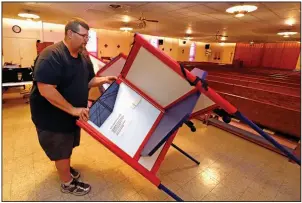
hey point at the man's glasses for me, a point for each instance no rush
(82, 35)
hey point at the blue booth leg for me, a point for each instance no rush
(185, 153)
(170, 193)
(269, 138)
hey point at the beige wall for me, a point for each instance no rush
(223, 51)
(183, 50)
(201, 52)
(55, 32)
(298, 66)
(228, 51)
(20, 48)
(113, 39)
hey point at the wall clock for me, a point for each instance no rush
(16, 29)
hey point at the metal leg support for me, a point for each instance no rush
(185, 153)
(267, 137)
(170, 193)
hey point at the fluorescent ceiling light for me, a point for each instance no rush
(287, 33)
(126, 19)
(189, 31)
(28, 15)
(290, 21)
(126, 28)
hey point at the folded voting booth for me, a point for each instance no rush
(138, 116)
(115, 67)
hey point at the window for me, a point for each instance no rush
(154, 42)
(192, 51)
(92, 45)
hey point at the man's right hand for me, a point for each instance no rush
(82, 113)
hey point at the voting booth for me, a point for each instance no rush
(115, 67)
(138, 116)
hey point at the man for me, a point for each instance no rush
(62, 78)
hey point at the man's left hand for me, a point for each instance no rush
(98, 81)
(109, 79)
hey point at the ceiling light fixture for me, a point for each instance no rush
(188, 38)
(286, 36)
(290, 21)
(286, 33)
(126, 29)
(223, 38)
(189, 31)
(126, 19)
(28, 15)
(241, 10)
(239, 15)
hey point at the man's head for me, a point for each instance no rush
(76, 33)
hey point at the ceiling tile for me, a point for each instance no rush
(184, 5)
(296, 13)
(282, 5)
(72, 7)
(223, 16)
(267, 15)
(249, 18)
(38, 4)
(218, 6)
(205, 18)
(152, 7)
(201, 9)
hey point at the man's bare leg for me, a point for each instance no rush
(70, 185)
(63, 167)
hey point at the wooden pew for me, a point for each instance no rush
(271, 80)
(268, 87)
(275, 98)
(277, 118)
(278, 74)
(268, 101)
(287, 81)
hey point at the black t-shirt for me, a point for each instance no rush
(56, 66)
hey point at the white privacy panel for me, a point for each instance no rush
(114, 69)
(202, 103)
(131, 120)
(97, 64)
(149, 161)
(156, 79)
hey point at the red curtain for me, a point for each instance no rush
(256, 55)
(242, 53)
(290, 55)
(270, 55)
(251, 55)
